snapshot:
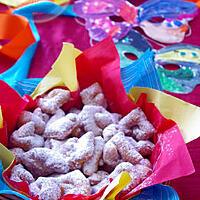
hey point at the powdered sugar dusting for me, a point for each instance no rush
(79, 151)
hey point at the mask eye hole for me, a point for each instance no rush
(116, 18)
(171, 67)
(156, 19)
(130, 56)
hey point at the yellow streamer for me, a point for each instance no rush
(16, 3)
(6, 156)
(61, 1)
(186, 115)
(117, 185)
(63, 72)
(1, 118)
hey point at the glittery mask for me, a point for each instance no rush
(174, 16)
(97, 15)
(187, 76)
(140, 71)
(116, 18)
(133, 44)
(166, 32)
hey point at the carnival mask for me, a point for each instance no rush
(116, 18)
(187, 76)
(133, 45)
(140, 71)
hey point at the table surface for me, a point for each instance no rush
(70, 30)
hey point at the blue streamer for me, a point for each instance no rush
(45, 7)
(157, 192)
(27, 86)
(141, 72)
(4, 189)
(21, 68)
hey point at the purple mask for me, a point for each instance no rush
(116, 18)
(98, 16)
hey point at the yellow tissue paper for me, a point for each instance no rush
(6, 156)
(1, 119)
(61, 1)
(16, 3)
(13, 3)
(186, 115)
(63, 72)
(117, 185)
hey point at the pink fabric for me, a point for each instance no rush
(53, 33)
(188, 187)
(64, 29)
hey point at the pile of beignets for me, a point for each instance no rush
(80, 151)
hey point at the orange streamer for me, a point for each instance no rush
(17, 31)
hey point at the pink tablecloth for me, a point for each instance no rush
(64, 29)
